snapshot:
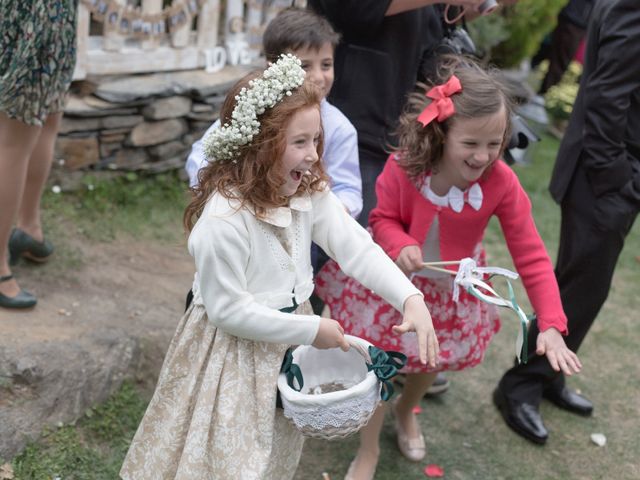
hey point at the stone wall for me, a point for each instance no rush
(139, 122)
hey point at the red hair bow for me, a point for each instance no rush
(441, 107)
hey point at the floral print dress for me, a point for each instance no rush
(37, 57)
(464, 328)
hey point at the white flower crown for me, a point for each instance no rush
(277, 81)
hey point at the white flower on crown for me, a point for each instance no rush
(277, 81)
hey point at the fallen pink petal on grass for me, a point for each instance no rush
(417, 410)
(432, 470)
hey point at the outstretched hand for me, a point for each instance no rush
(416, 318)
(551, 344)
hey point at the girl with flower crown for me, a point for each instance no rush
(435, 198)
(258, 207)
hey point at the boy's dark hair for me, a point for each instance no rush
(294, 28)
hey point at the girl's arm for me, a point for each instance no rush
(534, 266)
(344, 240)
(528, 250)
(387, 218)
(221, 250)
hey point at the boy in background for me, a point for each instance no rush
(311, 38)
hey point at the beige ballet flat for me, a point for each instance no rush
(351, 472)
(413, 449)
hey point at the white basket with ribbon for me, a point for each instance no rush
(340, 391)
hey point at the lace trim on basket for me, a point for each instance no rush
(334, 419)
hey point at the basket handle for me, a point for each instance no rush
(359, 348)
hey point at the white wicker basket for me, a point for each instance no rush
(334, 414)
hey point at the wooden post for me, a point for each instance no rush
(82, 37)
(180, 36)
(149, 7)
(208, 25)
(112, 40)
(235, 38)
(255, 28)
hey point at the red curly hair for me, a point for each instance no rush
(253, 177)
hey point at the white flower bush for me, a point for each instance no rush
(277, 81)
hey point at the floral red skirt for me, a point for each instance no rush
(464, 328)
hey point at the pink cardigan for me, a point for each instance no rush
(403, 217)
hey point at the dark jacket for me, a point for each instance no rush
(577, 12)
(603, 136)
(377, 62)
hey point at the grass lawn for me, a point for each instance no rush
(464, 432)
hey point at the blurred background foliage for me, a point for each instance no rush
(560, 98)
(513, 33)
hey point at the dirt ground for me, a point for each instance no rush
(105, 310)
(137, 286)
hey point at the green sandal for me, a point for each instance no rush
(21, 244)
(22, 300)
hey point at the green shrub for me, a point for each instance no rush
(487, 32)
(526, 22)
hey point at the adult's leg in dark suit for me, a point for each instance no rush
(565, 41)
(586, 261)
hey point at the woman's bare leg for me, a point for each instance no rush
(17, 142)
(29, 219)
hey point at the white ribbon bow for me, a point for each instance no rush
(473, 197)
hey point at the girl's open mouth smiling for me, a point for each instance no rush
(296, 175)
(475, 167)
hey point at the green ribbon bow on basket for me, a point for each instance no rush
(292, 371)
(385, 365)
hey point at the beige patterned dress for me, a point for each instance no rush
(199, 424)
(213, 414)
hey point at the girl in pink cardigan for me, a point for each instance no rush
(435, 198)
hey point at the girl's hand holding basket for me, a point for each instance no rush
(330, 335)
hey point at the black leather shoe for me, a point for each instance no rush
(569, 400)
(22, 300)
(522, 418)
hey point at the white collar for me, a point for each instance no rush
(439, 200)
(454, 198)
(281, 216)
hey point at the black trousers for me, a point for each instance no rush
(371, 166)
(590, 243)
